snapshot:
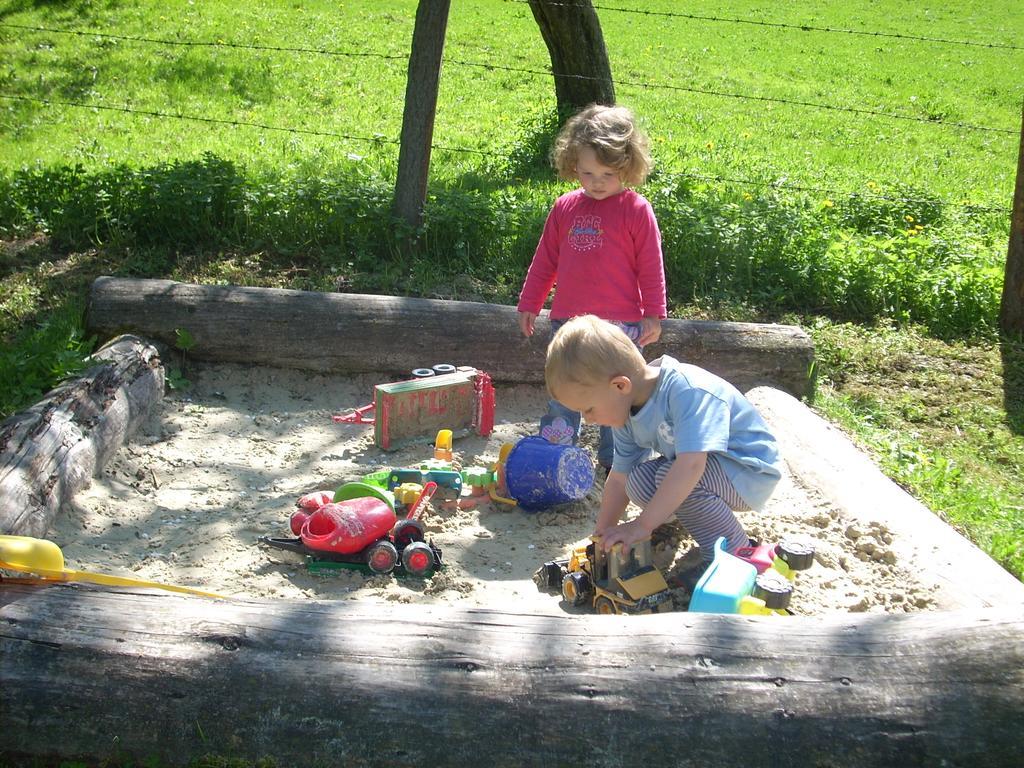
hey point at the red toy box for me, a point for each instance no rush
(413, 411)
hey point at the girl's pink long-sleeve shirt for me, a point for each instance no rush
(605, 256)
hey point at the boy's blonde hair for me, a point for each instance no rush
(589, 351)
(613, 135)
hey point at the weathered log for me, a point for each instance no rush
(52, 450)
(820, 456)
(96, 673)
(355, 333)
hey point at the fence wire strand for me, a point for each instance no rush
(381, 139)
(783, 25)
(743, 96)
(862, 111)
(778, 185)
(208, 43)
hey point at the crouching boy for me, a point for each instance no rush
(687, 443)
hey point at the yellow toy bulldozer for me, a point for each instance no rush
(613, 582)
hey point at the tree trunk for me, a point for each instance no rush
(1011, 311)
(579, 59)
(53, 449)
(420, 108)
(354, 333)
(102, 674)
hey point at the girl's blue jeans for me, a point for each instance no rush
(562, 425)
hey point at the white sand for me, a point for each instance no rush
(234, 454)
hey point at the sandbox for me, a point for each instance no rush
(903, 648)
(187, 503)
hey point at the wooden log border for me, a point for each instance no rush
(52, 450)
(114, 674)
(356, 333)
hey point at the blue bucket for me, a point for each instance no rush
(540, 474)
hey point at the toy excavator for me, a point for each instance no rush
(757, 580)
(611, 582)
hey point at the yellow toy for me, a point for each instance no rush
(45, 559)
(612, 583)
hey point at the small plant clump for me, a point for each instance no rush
(183, 342)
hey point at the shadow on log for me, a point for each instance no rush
(355, 333)
(52, 450)
(100, 673)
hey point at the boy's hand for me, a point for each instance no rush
(650, 331)
(526, 322)
(626, 534)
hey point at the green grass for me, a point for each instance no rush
(843, 162)
(942, 419)
(886, 237)
(485, 109)
(856, 258)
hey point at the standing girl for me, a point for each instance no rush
(600, 247)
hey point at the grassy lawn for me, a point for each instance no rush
(942, 419)
(256, 144)
(344, 73)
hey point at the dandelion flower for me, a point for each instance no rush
(909, 219)
(871, 185)
(747, 196)
(710, 145)
(827, 204)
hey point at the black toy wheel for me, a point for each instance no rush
(382, 557)
(774, 588)
(604, 606)
(406, 532)
(798, 554)
(418, 559)
(576, 588)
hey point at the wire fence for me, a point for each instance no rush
(490, 65)
(798, 27)
(381, 139)
(204, 43)
(545, 72)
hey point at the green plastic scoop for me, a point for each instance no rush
(44, 558)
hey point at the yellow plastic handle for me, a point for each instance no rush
(121, 581)
(491, 492)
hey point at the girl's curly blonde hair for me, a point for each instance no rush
(613, 135)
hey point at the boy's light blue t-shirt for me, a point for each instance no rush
(692, 410)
